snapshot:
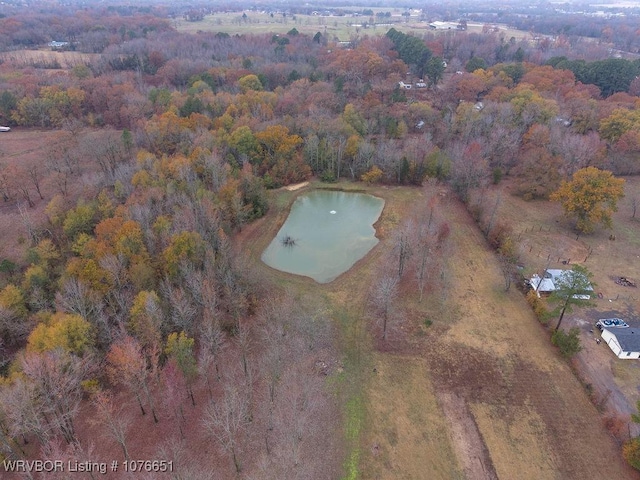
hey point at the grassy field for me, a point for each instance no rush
(547, 238)
(335, 28)
(47, 59)
(481, 393)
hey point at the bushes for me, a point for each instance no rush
(567, 342)
(631, 452)
(539, 309)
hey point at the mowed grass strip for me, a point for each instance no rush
(406, 436)
(524, 434)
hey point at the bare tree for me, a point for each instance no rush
(173, 384)
(403, 247)
(22, 412)
(492, 216)
(384, 294)
(183, 312)
(227, 420)
(108, 151)
(28, 224)
(57, 378)
(212, 342)
(74, 453)
(178, 451)
(76, 297)
(424, 242)
(245, 344)
(13, 327)
(35, 173)
(113, 419)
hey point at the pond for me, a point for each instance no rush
(325, 233)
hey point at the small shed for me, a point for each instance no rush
(624, 342)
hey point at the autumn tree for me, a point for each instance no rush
(279, 156)
(146, 320)
(373, 175)
(180, 349)
(631, 452)
(184, 247)
(14, 325)
(591, 196)
(127, 366)
(79, 220)
(619, 122)
(68, 332)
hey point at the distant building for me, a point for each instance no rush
(437, 25)
(55, 45)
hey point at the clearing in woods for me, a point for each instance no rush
(547, 239)
(333, 27)
(481, 393)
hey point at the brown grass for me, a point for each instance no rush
(406, 434)
(520, 443)
(47, 58)
(500, 360)
(485, 348)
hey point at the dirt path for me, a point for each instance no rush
(470, 448)
(599, 367)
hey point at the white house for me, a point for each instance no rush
(547, 284)
(438, 25)
(55, 45)
(624, 342)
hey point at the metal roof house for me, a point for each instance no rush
(624, 342)
(546, 284)
(55, 45)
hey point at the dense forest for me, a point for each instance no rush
(131, 288)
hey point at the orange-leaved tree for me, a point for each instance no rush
(591, 196)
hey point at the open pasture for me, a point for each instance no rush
(333, 28)
(547, 239)
(478, 393)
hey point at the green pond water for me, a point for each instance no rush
(331, 231)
